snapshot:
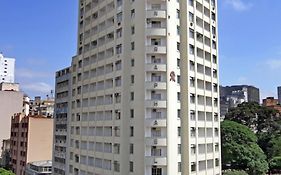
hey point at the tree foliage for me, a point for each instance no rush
(235, 172)
(258, 118)
(240, 150)
(5, 172)
(275, 165)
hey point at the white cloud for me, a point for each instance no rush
(239, 5)
(27, 73)
(274, 64)
(39, 87)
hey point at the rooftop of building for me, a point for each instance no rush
(239, 86)
(63, 72)
(5, 86)
(44, 163)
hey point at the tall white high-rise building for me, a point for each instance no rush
(144, 89)
(7, 69)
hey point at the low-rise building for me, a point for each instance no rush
(31, 140)
(11, 102)
(39, 168)
(271, 102)
(40, 106)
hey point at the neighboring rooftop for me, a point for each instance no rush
(44, 163)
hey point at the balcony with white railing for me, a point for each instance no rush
(156, 85)
(156, 14)
(156, 67)
(153, 160)
(154, 49)
(156, 31)
(151, 122)
(156, 103)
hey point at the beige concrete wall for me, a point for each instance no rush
(10, 103)
(9, 87)
(40, 139)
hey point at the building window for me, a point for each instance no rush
(193, 166)
(191, 49)
(156, 171)
(178, 30)
(132, 79)
(132, 131)
(132, 62)
(131, 166)
(133, 45)
(132, 113)
(133, 13)
(132, 96)
(179, 166)
(119, 49)
(116, 166)
(178, 46)
(179, 148)
(133, 30)
(131, 148)
(217, 162)
(191, 33)
(191, 2)
(178, 13)
(191, 17)
(193, 149)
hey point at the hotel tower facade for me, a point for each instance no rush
(144, 89)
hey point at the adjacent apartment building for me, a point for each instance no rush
(143, 96)
(31, 140)
(271, 102)
(11, 102)
(63, 92)
(7, 69)
(40, 106)
(39, 168)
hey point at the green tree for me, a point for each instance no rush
(234, 172)
(240, 150)
(258, 118)
(5, 172)
(275, 165)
